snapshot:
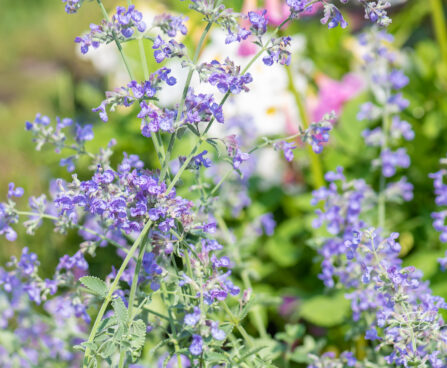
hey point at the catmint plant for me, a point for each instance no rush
(167, 243)
(176, 298)
(392, 307)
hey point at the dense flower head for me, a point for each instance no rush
(225, 76)
(258, 22)
(298, 6)
(375, 11)
(166, 50)
(122, 27)
(265, 224)
(201, 108)
(343, 203)
(154, 119)
(123, 200)
(278, 51)
(170, 24)
(72, 6)
(144, 92)
(333, 17)
(391, 160)
(318, 133)
(128, 19)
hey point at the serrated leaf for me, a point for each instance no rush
(95, 285)
(214, 357)
(120, 310)
(138, 333)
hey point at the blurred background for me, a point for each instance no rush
(42, 70)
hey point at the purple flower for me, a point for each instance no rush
(72, 6)
(225, 76)
(239, 158)
(14, 192)
(217, 333)
(287, 148)
(196, 345)
(391, 160)
(258, 22)
(191, 319)
(266, 225)
(170, 24)
(333, 17)
(398, 79)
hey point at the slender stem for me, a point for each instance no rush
(172, 324)
(315, 163)
(133, 290)
(112, 289)
(118, 44)
(382, 200)
(440, 28)
(159, 149)
(221, 181)
(255, 310)
(156, 313)
(222, 102)
(182, 101)
(236, 323)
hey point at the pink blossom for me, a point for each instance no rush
(334, 94)
(277, 11)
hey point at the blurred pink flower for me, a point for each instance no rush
(277, 11)
(246, 47)
(334, 94)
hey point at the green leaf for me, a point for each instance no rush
(107, 350)
(95, 285)
(215, 357)
(325, 310)
(120, 310)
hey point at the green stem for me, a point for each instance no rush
(236, 323)
(183, 99)
(440, 29)
(255, 312)
(382, 184)
(222, 102)
(112, 289)
(315, 163)
(172, 324)
(133, 290)
(118, 44)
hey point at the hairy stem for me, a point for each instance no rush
(118, 44)
(112, 289)
(133, 290)
(182, 101)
